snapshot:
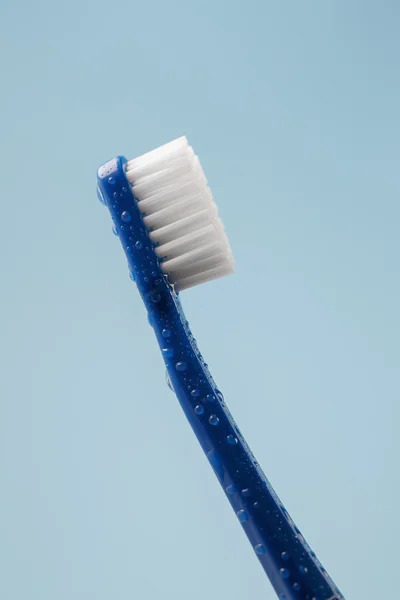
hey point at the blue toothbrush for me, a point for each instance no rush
(167, 222)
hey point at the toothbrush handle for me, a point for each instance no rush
(292, 567)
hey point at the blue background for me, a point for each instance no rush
(293, 108)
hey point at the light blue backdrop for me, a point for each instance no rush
(293, 108)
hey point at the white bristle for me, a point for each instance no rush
(179, 228)
(180, 213)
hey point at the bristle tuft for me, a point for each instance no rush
(180, 213)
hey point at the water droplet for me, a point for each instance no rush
(231, 489)
(256, 505)
(232, 441)
(199, 409)
(260, 549)
(210, 398)
(284, 573)
(213, 420)
(115, 195)
(219, 396)
(168, 352)
(138, 245)
(100, 197)
(303, 570)
(124, 189)
(195, 393)
(132, 275)
(285, 556)
(169, 382)
(246, 492)
(296, 586)
(242, 516)
(146, 280)
(157, 281)
(155, 297)
(154, 273)
(181, 366)
(126, 216)
(111, 180)
(114, 230)
(166, 333)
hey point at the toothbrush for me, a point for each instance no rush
(165, 217)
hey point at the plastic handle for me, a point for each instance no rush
(292, 567)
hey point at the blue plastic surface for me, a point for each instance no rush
(292, 567)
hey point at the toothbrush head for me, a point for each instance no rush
(180, 215)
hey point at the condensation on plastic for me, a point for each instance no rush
(292, 567)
